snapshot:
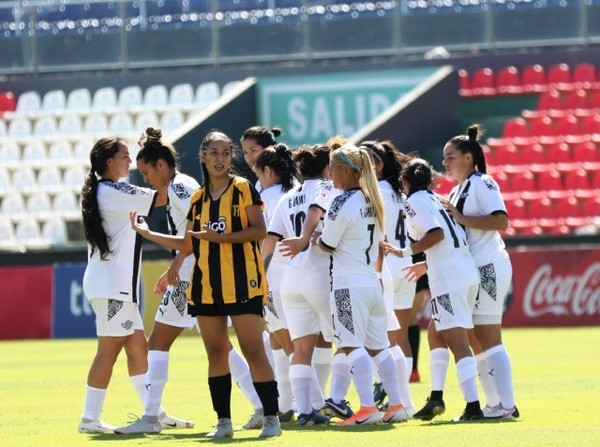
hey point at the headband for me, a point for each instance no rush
(347, 161)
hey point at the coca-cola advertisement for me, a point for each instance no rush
(554, 287)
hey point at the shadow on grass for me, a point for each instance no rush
(481, 421)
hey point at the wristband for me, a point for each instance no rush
(378, 274)
(406, 252)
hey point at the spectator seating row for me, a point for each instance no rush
(49, 178)
(533, 79)
(37, 153)
(523, 152)
(41, 206)
(31, 234)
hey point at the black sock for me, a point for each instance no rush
(220, 393)
(268, 394)
(436, 395)
(414, 340)
(473, 407)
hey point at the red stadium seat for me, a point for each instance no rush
(555, 226)
(507, 155)
(550, 100)
(533, 154)
(577, 99)
(443, 185)
(558, 153)
(596, 180)
(533, 79)
(464, 83)
(483, 83)
(584, 75)
(503, 181)
(586, 151)
(591, 207)
(8, 103)
(595, 100)
(569, 129)
(523, 181)
(591, 127)
(567, 207)
(515, 127)
(516, 209)
(550, 180)
(577, 179)
(508, 81)
(541, 209)
(543, 129)
(559, 76)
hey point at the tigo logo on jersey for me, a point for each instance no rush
(219, 226)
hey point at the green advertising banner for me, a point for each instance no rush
(311, 109)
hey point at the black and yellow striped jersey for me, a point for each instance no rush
(225, 273)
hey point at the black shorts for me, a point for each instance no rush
(251, 306)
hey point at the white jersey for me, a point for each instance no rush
(118, 277)
(179, 192)
(480, 195)
(270, 197)
(352, 232)
(449, 263)
(290, 214)
(395, 226)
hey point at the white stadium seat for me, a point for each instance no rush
(34, 154)
(95, 124)
(7, 235)
(54, 101)
(23, 180)
(19, 129)
(145, 120)
(5, 184)
(207, 93)
(66, 206)
(156, 96)
(10, 154)
(73, 178)
(54, 232)
(130, 98)
(13, 206)
(39, 205)
(105, 98)
(79, 100)
(28, 103)
(45, 127)
(27, 233)
(182, 96)
(49, 179)
(121, 124)
(60, 154)
(70, 126)
(171, 120)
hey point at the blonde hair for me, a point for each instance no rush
(359, 161)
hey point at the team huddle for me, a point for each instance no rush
(314, 266)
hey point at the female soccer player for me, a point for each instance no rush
(225, 223)
(111, 280)
(352, 232)
(453, 277)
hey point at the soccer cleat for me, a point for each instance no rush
(223, 429)
(169, 422)
(364, 416)
(147, 424)
(340, 410)
(414, 376)
(270, 427)
(472, 415)
(287, 416)
(396, 413)
(312, 418)
(431, 409)
(499, 412)
(89, 426)
(379, 393)
(255, 422)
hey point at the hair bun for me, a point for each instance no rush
(153, 134)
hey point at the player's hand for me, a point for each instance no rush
(172, 273)
(414, 271)
(138, 224)
(206, 234)
(452, 210)
(162, 283)
(390, 249)
(291, 247)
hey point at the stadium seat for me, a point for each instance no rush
(105, 99)
(7, 235)
(533, 154)
(549, 180)
(559, 77)
(96, 125)
(70, 126)
(558, 153)
(554, 226)
(156, 96)
(171, 120)
(464, 83)
(443, 185)
(66, 206)
(73, 178)
(28, 103)
(515, 127)
(577, 99)
(483, 82)
(591, 127)
(525, 227)
(54, 101)
(81, 151)
(181, 96)
(584, 75)
(508, 81)
(121, 124)
(577, 179)
(541, 209)
(59, 153)
(28, 233)
(567, 207)
(49, 179)
(523, 181)
(34, 154)
(516, 209)
(45, 127)
(507, 155)
(130, 98)
(569, 130)
(595, 101)
(38, 205)
(503, 181)
(542, 129)
(5, 184)
(54, 232)
(145, 120)
(13, 206)
(533, 79)
(550, 100)
(10, 154)
(79, 100)
(19, 129)
(7, 102)
(591, 207)
(207, 93)
(23, 179)
(585, 151)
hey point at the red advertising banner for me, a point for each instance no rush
(27, 303)
(557, 286)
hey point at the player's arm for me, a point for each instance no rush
(294, 245)
(180, 243)
(496, 221)
(268, 248)
(255, 231)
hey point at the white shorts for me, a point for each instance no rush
(493, 289)
(116, 318)
(274, 312)
(173, 309)
(454, 309)
(311, 314)
(359, 318)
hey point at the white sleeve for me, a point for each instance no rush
(335, 224)
(489, 196)
(422, 213)
(277, 225)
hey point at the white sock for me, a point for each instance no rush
(340, 377)
(376, 376)
(321, 361)
(301, 379)
(317, 398)
(156, 379)
(403, 371)
(139, 385)
(439, 359)
(409, 366)
(388, 371)
(362, 374)
(268, 350)
(499, 365)
(282, 375)
(487, 381)
(466, 370)
(240, 374)
(94, 402)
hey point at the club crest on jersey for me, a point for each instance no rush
(219, 226)
(491, 185)
(408, 209)
(236, 211)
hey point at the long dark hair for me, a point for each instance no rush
(312, 160)
(280, 160)
(214, 135)
(154, 148)
(263, 136)
(469, 143)
(103, 150)
(392, 160)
